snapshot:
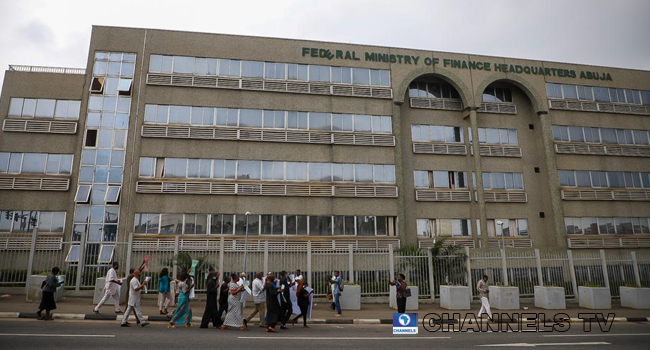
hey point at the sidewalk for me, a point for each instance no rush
(82, 308)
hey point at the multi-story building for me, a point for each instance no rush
(174, 134)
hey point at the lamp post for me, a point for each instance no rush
(246, 240)
(503, 243)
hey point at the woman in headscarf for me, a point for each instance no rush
(183, 313)
(234, 317)
(272, 303)
(49, 287)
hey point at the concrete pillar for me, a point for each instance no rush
(635, 267)
(351, 263)
(538, 262)
(504, 267)
(80, 264)
(308, 263)
(553, 179)
(603, 261)
(32, 254)
(468, 265)
(572, 272)
(478, 170)
(391, 263)
(266, 257)
(222, 248)
(175, 267)
(407, 238)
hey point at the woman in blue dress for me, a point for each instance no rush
(183, 313)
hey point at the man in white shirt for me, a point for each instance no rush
(259, 298)
(244, 293)
(134, 299)
(111, 290)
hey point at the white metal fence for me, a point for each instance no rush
(368, 267)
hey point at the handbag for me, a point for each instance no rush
(406, 293)
(329, 296)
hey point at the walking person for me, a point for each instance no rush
(164, 291)
(48, 288)
(183, 313)
(212, 291)
(335, 282)
(234, 318)
(400, 292)
(304, 293)
(483, 289)
(223, 299)
(272, 303)
(134, 300)
(111, 289)
(242, 296)
(286, 308)
(259, 298)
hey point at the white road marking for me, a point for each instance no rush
(58, 335)
(532, 345)
(344, 338)
(598, 335)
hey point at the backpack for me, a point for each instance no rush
(341, 285)
(43, 284)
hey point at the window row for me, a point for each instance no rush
(44, 108)
(440, 179)
(501, 181)
(102, 157)
(268, 70)
(458, 180)
(98, 194)
(433, 90)
(268, 119)
(114, 64)
(238, 224)
(598, 94)
(109, 104)
(94, 233)
(17, 221)
(604, 179)
(436, 133)
(600, 135)
(606, 226)
(494, 136)
(35, 163)
(111, 86)
(495, 94)
(96, 214)
(266, 170)
(99, 253)
(463, 228)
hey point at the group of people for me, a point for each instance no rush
(276, 299)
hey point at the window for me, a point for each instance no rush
(147, 167)
(319, 73)
(175, 167)
(360, 76)
(320, 225)
(248, 169)
(179, 115)
(183, 65)
(73, 254)
(567, 178)
(421, 179)
(495, 94)
(272, 224)
(105, 254)
(461, 227)
(124, 87)
(321, 121)
(112, 194)
(323, 172)
(250, 118)
(275, 70)
(297, 72)
(252, 69)
(229, 67)
(342, 75)
(273, 171)
(423, 228)
(365, 225)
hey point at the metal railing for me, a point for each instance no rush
(43, 69)
(367, 267)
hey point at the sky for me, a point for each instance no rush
(598, 32)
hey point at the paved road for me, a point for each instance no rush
(60, 334)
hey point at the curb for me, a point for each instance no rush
(375, 321)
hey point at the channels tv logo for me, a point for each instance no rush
(405, 323)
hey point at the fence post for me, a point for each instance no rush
(351, 263)
(604, 263)
(222, 248)
(266, 257)
(30, 263)
(538, 260)
(572, 272)
(469, 274)
(391, 262)
(635, 267)
(309, 263)
(432, 284)
(80, 264)
(504, 267)
(175, 269)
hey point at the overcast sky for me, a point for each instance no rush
(599, 32)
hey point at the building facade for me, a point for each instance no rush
(171, 134)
